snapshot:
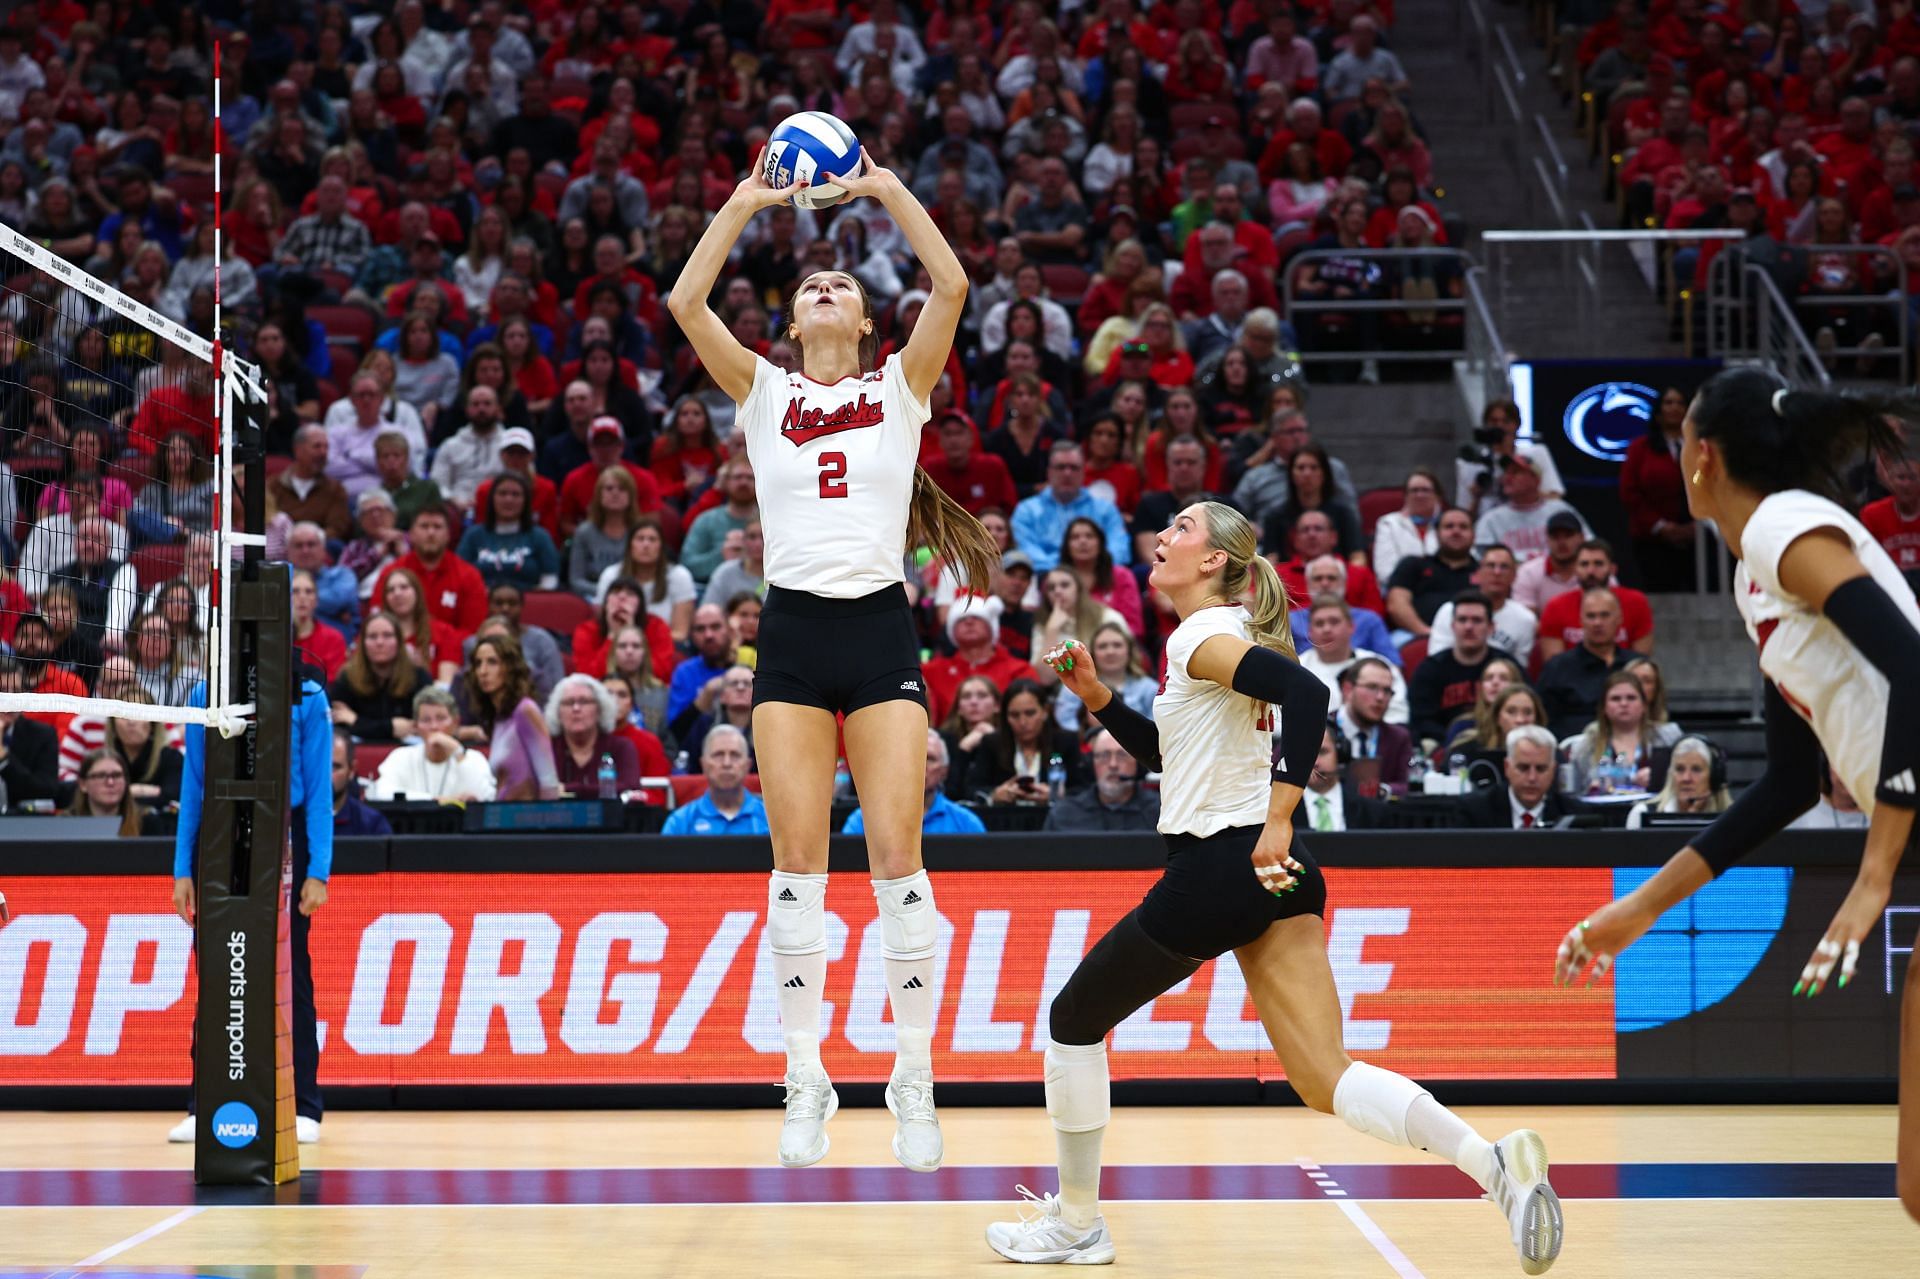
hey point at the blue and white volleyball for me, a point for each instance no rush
(813, 147)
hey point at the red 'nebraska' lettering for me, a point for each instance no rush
(802, 424)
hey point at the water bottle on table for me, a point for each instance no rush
(609, 778)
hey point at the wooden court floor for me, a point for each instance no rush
(1650, 1192)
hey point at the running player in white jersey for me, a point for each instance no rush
(841, 504)
(1237, 881)
(1838, 634)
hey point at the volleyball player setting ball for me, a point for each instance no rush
(1236, 880)
(1838, 634)
(841, 504)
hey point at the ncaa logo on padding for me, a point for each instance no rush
(1603, 420)
(235, 1125)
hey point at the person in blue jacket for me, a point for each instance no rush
(310, 797)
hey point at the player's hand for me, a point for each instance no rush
(184, 903)
(1596, 940)
(1074, 664)
(1856, 918)
(871, 180)
(313, 895)
(1273, 861)
(754, 192)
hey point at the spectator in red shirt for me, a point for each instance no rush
(1560, 625)
(1305, 125)
(623, 605)
(610, 267)
(187, 406)
(1252, 240)
(974, 479)
(427, 259)
(455, 592)
(973, 624)
(1655, 497)
(1848, 153)
(321, 645)
(516, 455)
(606, 445)
(1887, 210)
(1314, 535)
(1192, 295)
(1895, 521)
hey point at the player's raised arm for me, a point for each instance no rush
(924, 358)
(721, 354)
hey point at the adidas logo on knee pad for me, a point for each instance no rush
(786, 895)
(912, 983)
(911, 899)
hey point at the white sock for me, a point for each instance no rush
(1402, 1113)
(797, 931)
(1438, 1131)
(910, 992)
(909, 929)
(1077, 1102)
(800, 1006)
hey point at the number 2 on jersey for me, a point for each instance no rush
(833, 475)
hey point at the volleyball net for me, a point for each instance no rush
(120, 427)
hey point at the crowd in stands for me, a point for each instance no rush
(524, 532)
(1795, 125)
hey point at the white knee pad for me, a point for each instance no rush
(1376, 1101)
(797, 914)
(1079, 1098)
(908, 924)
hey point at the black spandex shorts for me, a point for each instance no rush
(839, 655)
(1209, 901)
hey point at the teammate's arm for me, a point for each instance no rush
(924, 358)
(1787, 789)
(721, 354)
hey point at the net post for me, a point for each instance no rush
(243, 1054)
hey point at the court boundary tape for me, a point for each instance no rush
(1368, 1228)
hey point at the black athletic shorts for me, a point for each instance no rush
(1209, 901)
(839, 655)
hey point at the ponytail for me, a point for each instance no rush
(1773, 437)
(1229, 531)
(1272, 617)
(937, 521)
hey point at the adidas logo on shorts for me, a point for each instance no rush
(910, 686)
(786, 895)
(911, 899)
(1901, 784)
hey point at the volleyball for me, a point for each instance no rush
(814, 147)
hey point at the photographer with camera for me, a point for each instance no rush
(1477, 469)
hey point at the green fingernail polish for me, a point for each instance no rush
(1843, 981)
(1798, 986)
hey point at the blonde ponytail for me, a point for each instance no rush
(1271, 612)
(1230, 532)
(936, 520)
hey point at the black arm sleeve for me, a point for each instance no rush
(1874, 624)
(1301, 699)
(1138, 736)
(1788, 788)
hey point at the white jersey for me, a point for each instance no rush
(1817, 670)
(834, 468)
(1216, 745)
